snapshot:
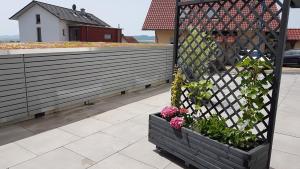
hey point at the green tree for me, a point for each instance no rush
(197, 52)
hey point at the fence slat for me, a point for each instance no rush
(12, 87)
(54, 80)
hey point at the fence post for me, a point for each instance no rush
(25, 82)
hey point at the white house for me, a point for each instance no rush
(42, 22)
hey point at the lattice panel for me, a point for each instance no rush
(213, 36)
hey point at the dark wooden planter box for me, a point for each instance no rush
(201, 151)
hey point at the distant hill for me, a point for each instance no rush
(145, 38)
(9, 38)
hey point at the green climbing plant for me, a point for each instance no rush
(176, 89)
(199, 92)
(254, 88)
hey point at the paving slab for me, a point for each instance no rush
(283, 160)
(85, 127)
(127, 98)
(139, 95)
(47, 141)
(59, 119)
(175, 166)
(98, 146)
(12, 154)
(138, 108)
(101, 106)
(288, 83)
(128, 131)
(112, 133)
(158, 100)
(119, 161)
(145, 151)
(156, 110)
(286, 143)
(115, 116)
(48, 122)
(142, 119)
(58, 159)
(288, 123)
(13, 133)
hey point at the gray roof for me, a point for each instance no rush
(64, 14)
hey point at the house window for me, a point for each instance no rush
(38, 18)
(39, 34)
(185, 13)
(212, 14)
(107, 36)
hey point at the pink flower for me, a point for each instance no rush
(177, 122)
(168, 112)
(183, 111)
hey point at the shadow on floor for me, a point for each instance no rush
(21, 130)
(174, 159)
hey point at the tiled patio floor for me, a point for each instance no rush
(107, 136)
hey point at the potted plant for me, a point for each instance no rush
(209, 142)
(213, 150)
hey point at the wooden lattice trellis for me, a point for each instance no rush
(213, 35)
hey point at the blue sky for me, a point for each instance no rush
(130, 14)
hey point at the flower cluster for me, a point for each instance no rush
(175, 116)
(183, 111)
(169, 112)
(177, 122)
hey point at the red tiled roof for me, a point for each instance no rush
(293, 34)
(161, 15)
(227, 39)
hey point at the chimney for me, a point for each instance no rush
(82, 10)
(74, 7)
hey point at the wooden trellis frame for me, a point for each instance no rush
(233, 26)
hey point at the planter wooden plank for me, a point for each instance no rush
(201, 151)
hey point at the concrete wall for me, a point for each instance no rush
(297, 45)
(56, 80)
(63, 26)
(164, 36)
(292, 44)
(50, 26)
